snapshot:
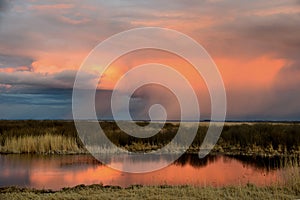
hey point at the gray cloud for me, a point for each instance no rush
(148, 95)
(251, 36)
(285, 96)
(4, 5)
(27, 29)
(7, 61)
(62, 80)
(57, 98)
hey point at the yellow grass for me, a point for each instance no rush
(40, 144)
(153, 192)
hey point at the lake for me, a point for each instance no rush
(58, 171)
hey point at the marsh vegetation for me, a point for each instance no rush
(156, 192)
(60, 137)
(48, 137)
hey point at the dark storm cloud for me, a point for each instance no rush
(4, 5)
(253, 36)
(62, 80)
(144, 97)
(278, 35)
(36, 103)
(8, 61)
(48, 104)
(59, 98)
(285, 95)
(28, 111)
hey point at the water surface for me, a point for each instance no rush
(58, 171)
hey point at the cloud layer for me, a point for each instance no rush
(255, 44)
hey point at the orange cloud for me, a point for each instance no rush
(14, 69)
(54, 62)
(257, 73)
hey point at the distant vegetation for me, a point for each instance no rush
(61, 137)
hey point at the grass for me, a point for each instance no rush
(42, 137)
(291, 175)
(152, 192)
(265, 139)
(43, 144)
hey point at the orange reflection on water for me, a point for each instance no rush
(218, 172)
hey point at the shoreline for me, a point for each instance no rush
(247, 152)
(264, 155)
(98, 191)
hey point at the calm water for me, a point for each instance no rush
(55, 172)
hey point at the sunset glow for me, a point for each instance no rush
(255, 46)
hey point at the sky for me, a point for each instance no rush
(255, 45)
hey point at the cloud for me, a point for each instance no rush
(55, 7)
(246, 35)
(31, 80)
(3, 5)
(284, 99)
(57, 98)
(44, 42)
(148, 95)
(11, 61)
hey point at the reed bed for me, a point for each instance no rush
(47, 136)
(43, 144)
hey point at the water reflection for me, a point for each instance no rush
(55, 172)
(258, 162)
